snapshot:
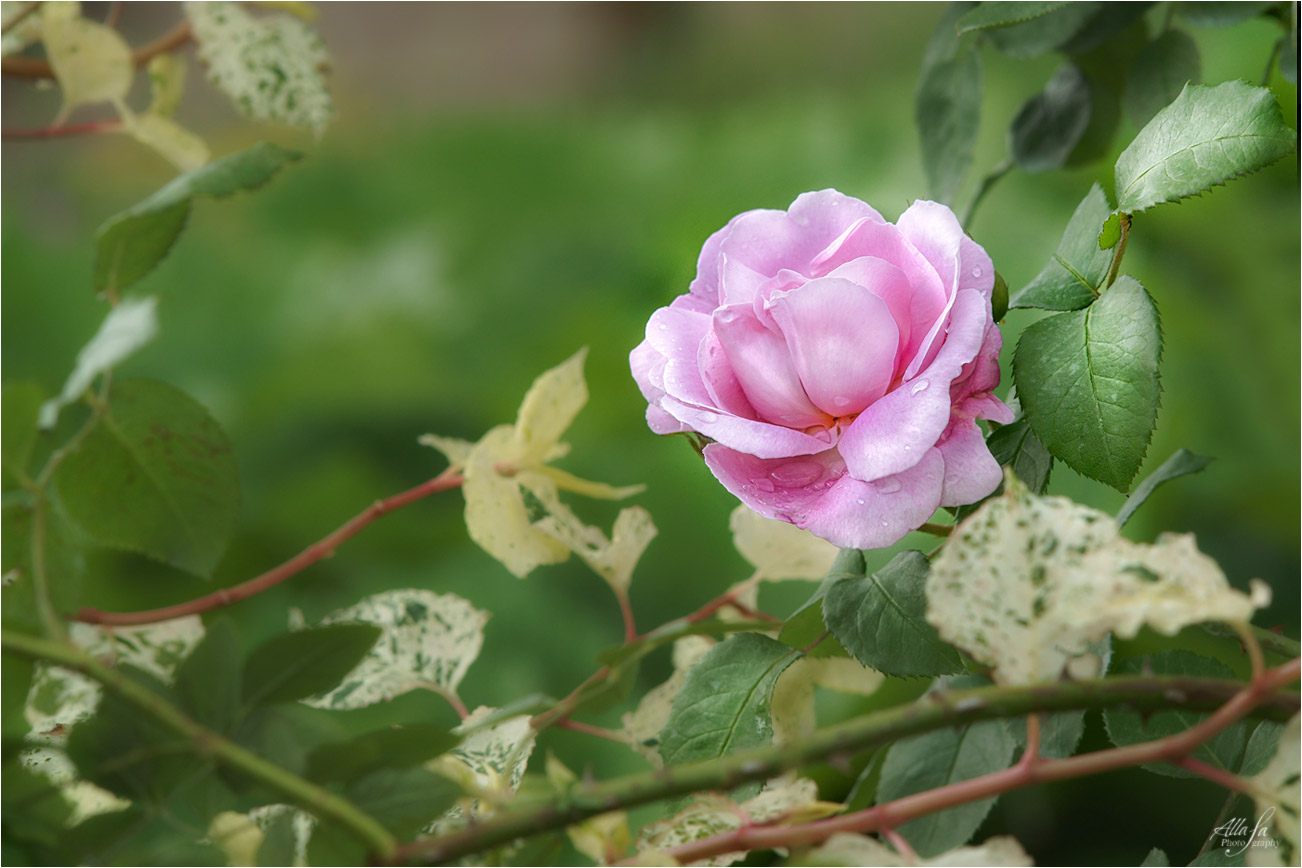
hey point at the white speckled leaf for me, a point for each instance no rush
(1277, 797)
(271, 67)
(613, 559)
(642, 726)
(490, 761)
(428, 639)
(549, 407)
(1026, 583)
(455, 450)
(779, 550)
(91, 61)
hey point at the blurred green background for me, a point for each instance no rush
(507, 183)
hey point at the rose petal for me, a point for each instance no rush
(961, 263)
(720, 380)
(676, 334)
(761, 439)
(984, 405)
(843, 340)
(888, 437)
(705, 286)
(762, 362)
(982, 373)
(648, 365)
(813, 492)
(888, 283)
(971, 472)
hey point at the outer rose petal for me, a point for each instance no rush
(828, 502)
(892, 434)
(757, 438)
(971, 472)
(935, 232)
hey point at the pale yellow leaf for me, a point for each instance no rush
(429, 641)
(1027, 583)
(613, 559)
(91, 62)
(996, 852)
(792, 707)
(549, 407)
(602, 838)
(708, 815)
(166, 83)
(456, 451)
(788, 799)
(18, 36)
(496, 516)
(489, 763)
(587, 488)
(236, 835)
(1279, 803)
(778, 549)
(847, 849)
(642, 726)
(177, 145)
(272, 67)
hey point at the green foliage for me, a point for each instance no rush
(937, 759)
(1049, 126)
(1046, 32)
(1015, 446)
(1072, 279)
(154, 475)
(1088, 382)
(1160, 73)
(1225, 751)
(723, 705)
(1206, 137)
(393, 748)
(209, 682)
(881, 620)
(131, 243)
(998, 14)
(19, 405)
(403, 800)
(305, 662)
(948, 112)
(1182, 463)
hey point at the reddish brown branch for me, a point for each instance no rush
(273, 577)
(36, 67)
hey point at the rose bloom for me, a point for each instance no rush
(838, 362)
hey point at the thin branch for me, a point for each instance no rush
(13, 22)
(626, 610)
(1119, 252)
(935, 712)
(589, 729)
(114, 16)
(36, 68)
(111, 125)
(326, 805)
(1228, 780)
(935, 529)
(304, 559)
(991, 178)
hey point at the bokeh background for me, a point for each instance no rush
(506, 183)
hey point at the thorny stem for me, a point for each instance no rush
(323, 803)
(35, 67)
(1228, 780)
(1119, 252)
(304, 559)
(936, 711)
(1175, 748)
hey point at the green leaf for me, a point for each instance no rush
(1000, 14)
(1261, 747)
(937, 759)
(1224, 751)
(947, 110)
(1288, 57)
(1016, 446)
(332, 844)
(1072, 279)
(1156, 858)
(1218, 857)
(1110, 234)
(404, 801)
(1220, 14)
(723, 705)
(1044, 33)
(999, 298)
(35, 809)
(1182, 463)
(1088, 382)
(208, 682)
(131, 243)
(157, 476)
(127, 328)
(1208, 136)
(1049, 125)
(806, 624)
(881, 620)
(1159, 73)
(280, 841)
(19, 405)
(305, 662)
(393, 748)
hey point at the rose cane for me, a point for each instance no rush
(838, 362)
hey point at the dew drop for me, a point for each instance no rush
(889, 485)
(706, 416)
(908, 448)
(841, 401)
(861, 501)
(976, 272)
(796, 473)
(920, 386)
(664, 327)
(764, 485)
(886, 523)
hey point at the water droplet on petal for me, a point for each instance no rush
(976, 272)
(764, 485)
(920, 386)
(889, 485)
(861, 501)
(885, 523)
(664, 327)
(841, 401)
(907, 447)
(796, 474)
(707, 417)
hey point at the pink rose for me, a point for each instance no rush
(838, 362)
